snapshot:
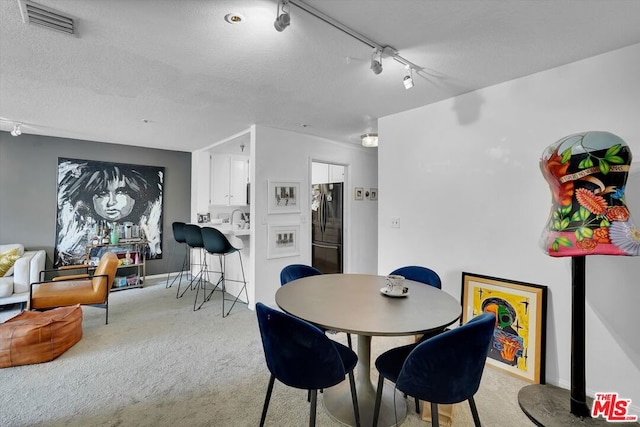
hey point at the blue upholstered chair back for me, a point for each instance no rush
(215, 242)
(297, 271)
(298, 354)
(193, 236)
(448, 367)
(178, 232)
(419, 274)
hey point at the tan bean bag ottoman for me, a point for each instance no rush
(36, 337)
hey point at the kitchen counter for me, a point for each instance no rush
(226, 229)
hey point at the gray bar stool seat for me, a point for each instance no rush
(193, 238)
(216, 243)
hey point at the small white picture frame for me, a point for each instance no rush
(283, 241)
(283, 197)
(373, 194)
(358, 193)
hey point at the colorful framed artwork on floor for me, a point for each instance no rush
(519, 340)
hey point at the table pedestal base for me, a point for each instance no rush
(550, 406)
(337, 399)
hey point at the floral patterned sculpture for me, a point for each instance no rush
(587, 173)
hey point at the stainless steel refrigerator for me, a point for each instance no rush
(326, 234)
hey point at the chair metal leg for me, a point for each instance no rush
(376, 409)
(354, 397)
(167, 285)
(266, 400)
(474, 412)
(244, 288)
(417, 405)
(312, 409)
(349, 341)
(204, 282)
(435, 422)
(183, 269)
(220, 280)
(193, 278)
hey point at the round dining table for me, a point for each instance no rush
(355, 303)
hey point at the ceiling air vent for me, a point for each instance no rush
(34, 13)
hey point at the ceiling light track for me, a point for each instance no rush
(385, 50)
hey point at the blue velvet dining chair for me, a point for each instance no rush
(444, 369)
(429, 277)
(419, 274)
(300, 355)
(297, 271)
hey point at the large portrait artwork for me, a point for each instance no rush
(93, 196)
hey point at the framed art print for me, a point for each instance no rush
(283, 241)
(284, 197)
(358, 193)
(518, 343)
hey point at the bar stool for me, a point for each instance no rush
(180, 237)
(193, 238)
(216, 243)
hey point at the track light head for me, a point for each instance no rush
(283, 19)
(16, 130)
(376, 61)
(408, 78)
(376, 66)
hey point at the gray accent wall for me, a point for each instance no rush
(28, 172)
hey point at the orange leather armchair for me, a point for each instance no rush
(90, 289)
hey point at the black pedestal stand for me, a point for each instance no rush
(551, 406)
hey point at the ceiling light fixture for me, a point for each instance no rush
(16, 130)
(408, 77)
(283, 19)
(369, 140)
(376, 61)
(233, 18)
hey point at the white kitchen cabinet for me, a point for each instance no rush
(323, 173)
(229, 178)
(336, 173)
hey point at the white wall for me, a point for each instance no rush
(283, 155)
(463, 177)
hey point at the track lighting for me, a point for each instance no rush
(282, 16)
(16, 130)
(408, 78)
(369, 140)
(376, 61)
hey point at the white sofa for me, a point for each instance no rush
(15, 288)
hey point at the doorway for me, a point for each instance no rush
(327, 213)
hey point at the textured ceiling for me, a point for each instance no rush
(197, 80)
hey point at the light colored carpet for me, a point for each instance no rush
(159, 363)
